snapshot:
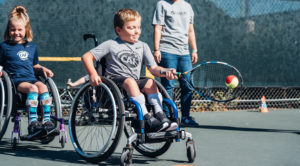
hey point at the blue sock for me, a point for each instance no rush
(46, 102)
(32, 104)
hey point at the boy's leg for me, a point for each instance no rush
(155, 98)
(131, 87)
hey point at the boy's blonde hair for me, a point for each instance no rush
(124, 15)
(19, 13)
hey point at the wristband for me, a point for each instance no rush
(194, 51)
(156, 50)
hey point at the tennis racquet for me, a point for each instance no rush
(208, 80)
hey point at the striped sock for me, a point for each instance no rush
(46, 102)
(32, 104)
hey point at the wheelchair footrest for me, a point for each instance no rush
(162, 135)
(40, 135)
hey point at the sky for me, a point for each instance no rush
(236, 8)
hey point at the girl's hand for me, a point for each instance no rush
(47, 72)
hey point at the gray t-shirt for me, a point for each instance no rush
(175, 19)
(123, 59)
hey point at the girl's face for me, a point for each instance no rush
(17, 31)
(131, 31)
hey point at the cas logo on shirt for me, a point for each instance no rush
(23, 55)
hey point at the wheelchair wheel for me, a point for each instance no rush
(150, 149)
(56, 105)
(6, 102)
(96, 120)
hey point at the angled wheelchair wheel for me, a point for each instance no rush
(152, 149)
(96, 120)
(6, 99)
(56, 105)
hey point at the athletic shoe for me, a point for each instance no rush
(48, 126)
(34, 127)
(163, 118)
(154, 124)
(188, 122)
(172, 126)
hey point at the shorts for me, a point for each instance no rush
(19, 82)
(119, 81)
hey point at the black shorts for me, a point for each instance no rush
(19, 82)
(119, 81)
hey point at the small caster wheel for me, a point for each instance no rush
(190, 150)
(14, 144)
(126, 157)
(62, 140)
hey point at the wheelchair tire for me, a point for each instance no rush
(6, 102)
(95, 131)
(150, 149)
(56, 105)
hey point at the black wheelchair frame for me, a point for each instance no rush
(13, 106)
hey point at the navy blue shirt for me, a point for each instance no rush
(18, 60)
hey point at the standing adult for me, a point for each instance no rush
(173, 22)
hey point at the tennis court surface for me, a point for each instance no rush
(231, 138)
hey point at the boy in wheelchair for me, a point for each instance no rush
(19, 57)
(124, 57)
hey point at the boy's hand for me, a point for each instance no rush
(95, 80)
(171, 74)
(0, 73)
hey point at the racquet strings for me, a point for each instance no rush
(209, 79)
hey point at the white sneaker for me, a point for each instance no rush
(173, 126)
(164, 126)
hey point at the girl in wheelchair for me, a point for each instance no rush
(124, 57)
(19, 57)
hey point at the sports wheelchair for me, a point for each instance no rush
(13, 105)
(99, 114)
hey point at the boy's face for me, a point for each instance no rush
(17, 31)
(131, 31)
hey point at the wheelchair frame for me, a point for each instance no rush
(129, 118)
(125, 112)
(12, 105)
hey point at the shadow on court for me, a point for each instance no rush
(231, 138)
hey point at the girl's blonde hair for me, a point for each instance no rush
(124, 15)
(19, 13)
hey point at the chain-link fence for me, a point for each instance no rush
(276, 97)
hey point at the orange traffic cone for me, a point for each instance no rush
(263, 107)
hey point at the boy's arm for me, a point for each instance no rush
(47, 72)
(88, 63)
(192, 42)
(80, 81)
(159, 71)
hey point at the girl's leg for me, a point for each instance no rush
(31, 103)
(46, 102)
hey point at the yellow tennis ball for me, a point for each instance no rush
(232, 81)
